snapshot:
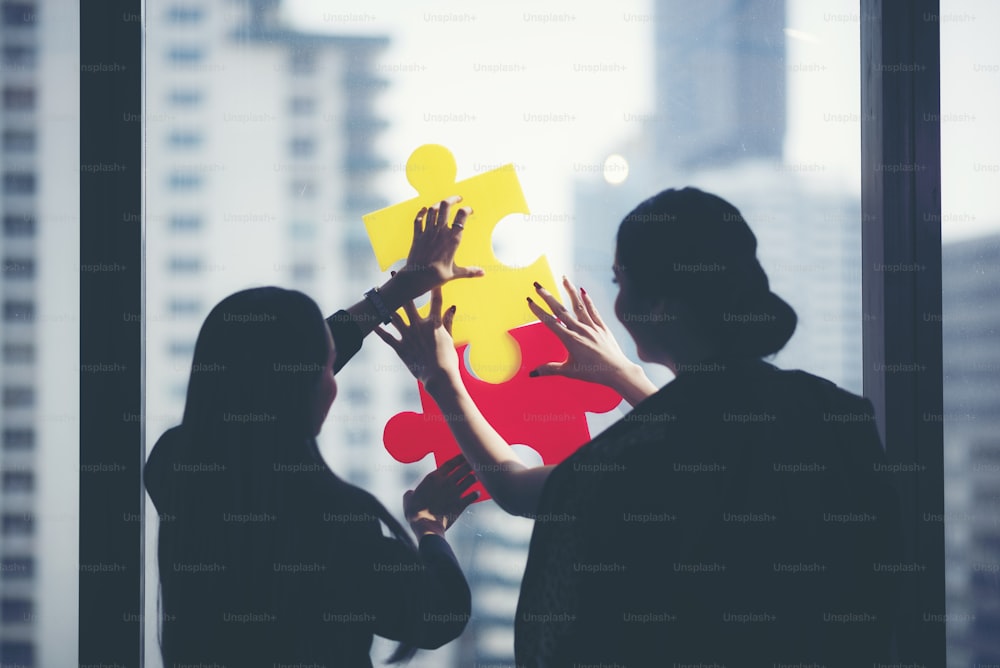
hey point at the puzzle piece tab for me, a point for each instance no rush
(545, 413)
(490, 306)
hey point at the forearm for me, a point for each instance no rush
(515, 487)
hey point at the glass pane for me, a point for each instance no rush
(39, 415)
(273, 126)
(970, 231)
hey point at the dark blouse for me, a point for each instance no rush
(741, 516)
(324, 580)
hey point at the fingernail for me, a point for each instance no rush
(538, 285)
(533, 373)
(529, 300)
(583, 292)
(454, 307)
(392, 273)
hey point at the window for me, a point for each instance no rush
(18, 653)
(18, 353)
(19, 14)
(17, 524)
(185, 181)
(302, 106)
(18, 268)
(18, 481)
(185, 264)
(303, 61)
(16, 610)
(18, 311)
(183, 56)
(17, 568)
(181, 349)
(185, 14)
(185, 97)
(18, 141)
(18, 397)
(18, 226)
(18, 183)
(19, 57)
(303, 271)
(303, 147)
(185, 306)
(185, 222)
(184, 138)
(18, 439)
(18, 98)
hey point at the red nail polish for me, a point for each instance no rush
(583, 292)
(529, 300)
(537, 286)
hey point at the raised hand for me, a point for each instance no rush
(438, 500)
(431, 261)
(594, 354)
(425, 345)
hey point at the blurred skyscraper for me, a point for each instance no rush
(260, 162)
(971, 421)
(39, 461)
(719, 125)
(720, 81)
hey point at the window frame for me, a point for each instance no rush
(897, 208)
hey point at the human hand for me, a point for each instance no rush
(437, 501)
(594, 354)
(425, 345)
(431, 260)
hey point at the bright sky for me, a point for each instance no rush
(557, 86)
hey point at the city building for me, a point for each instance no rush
(969, 323)
(39, 416)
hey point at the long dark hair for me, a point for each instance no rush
(249, 414)
(696, 248)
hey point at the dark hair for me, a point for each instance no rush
(257, 363)
(696, 248)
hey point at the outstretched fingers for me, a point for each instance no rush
(564, 314)
(388, 338)
(576, 299)
(549, 321)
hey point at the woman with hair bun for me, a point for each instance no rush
(737, 516)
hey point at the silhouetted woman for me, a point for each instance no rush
(738, 516)
(266, 557)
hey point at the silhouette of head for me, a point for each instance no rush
(688, 268)
(263, 359)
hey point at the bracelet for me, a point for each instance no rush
(383, 311)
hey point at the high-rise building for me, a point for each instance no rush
(719, 125)
(39, 461)
(720, 81)
(971, 422)
(260, 162)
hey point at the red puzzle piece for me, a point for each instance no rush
(545, 413)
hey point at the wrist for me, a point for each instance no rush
(631, 382)
(443, 383)
(407, 284)
(396, 291)
(424, 526)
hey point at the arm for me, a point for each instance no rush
(426, 347)
(429, 264)
(517, 488)
(436, 601)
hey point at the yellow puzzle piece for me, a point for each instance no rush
(488, 306)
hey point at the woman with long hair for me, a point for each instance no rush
(738, 516)
(266, 557)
